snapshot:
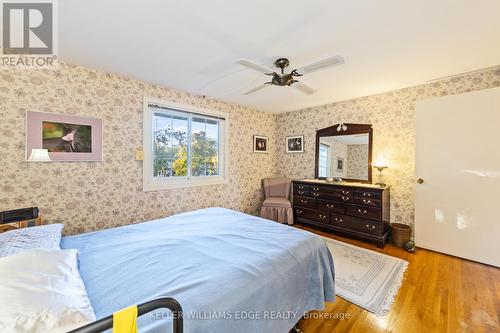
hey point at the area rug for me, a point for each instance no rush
(366, 278)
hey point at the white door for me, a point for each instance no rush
(458, 160)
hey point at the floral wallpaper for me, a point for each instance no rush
(90, 196)
(337, 150)
(357, 159)
(392, 116)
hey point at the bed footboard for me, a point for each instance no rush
(106, 323)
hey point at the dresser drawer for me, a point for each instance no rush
(315, 191)
(352, 223)
(326, 193)
(301, 189)
(364, 212)
(312, 214)
(367, 202)
(316, 188)
(343, 195)
(331, 206)
(368, 194)
(339, 220)
(304, 201)
(342, 198)
(344, 192)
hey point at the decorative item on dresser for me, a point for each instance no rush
(353, 209)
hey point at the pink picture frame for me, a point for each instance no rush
(66, 145)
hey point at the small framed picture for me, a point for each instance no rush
(260, 144)
(295, 144)
(340, 164)
(67, 138)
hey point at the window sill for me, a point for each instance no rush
(160, 185)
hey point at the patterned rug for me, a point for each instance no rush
(366, 278)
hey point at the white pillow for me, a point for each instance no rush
(46, 237)
(41, 291)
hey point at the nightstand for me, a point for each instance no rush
(21, 224)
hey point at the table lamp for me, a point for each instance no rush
(39, 155)
(380, 169)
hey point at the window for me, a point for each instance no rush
(324, 160)
(183, 146)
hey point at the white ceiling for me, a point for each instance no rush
(192, 45)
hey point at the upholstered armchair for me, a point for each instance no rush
(277, 206)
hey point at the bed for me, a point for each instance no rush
(231, 272)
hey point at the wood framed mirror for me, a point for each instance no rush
(344, 151)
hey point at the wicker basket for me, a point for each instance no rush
(400, 234)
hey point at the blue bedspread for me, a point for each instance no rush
(230, 271)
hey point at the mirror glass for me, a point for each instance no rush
(345, 156)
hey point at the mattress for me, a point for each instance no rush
(231, 272)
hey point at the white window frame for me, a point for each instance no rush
(151, 183)
(328, 160)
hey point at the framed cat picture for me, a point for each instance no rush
(67, 138)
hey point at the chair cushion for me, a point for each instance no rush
(276, 202)
(277, 187)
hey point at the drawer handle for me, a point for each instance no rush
(299, 211)
(367, 201)
(315, 188)
(339, 220)
(364, 211)
(323, 217)
(316, 194)
(366, 194)
(303, 201)
(301, 192)
(371, 227)
(345, 198)
(330, 206)
(345, 192)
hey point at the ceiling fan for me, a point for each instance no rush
(289, 79)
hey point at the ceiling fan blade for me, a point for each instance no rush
(251, 91)
(252, 65)
(304, 88)
(325, 63)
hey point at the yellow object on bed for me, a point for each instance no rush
(125, 320)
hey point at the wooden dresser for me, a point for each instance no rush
(356, 210)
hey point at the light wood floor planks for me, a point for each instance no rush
(440, 293)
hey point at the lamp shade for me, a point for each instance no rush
(380, 167)
(39, 155)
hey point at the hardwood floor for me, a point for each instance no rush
(440, 293)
